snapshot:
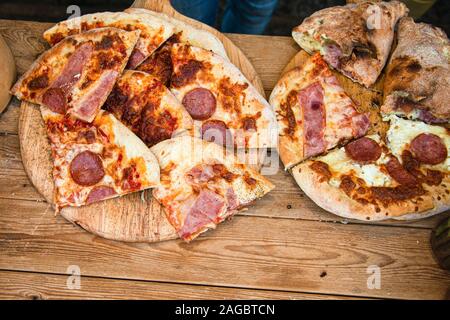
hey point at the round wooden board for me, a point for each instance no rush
(367, 100)
(133, 218)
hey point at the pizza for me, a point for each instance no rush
(154, 31)
(77, 75)
(96, 161)
(185, 33)
(418, 74)
(202, 184)
(314, 113)
(148, 108)
(355, 39)
(369, 180)
(159, 64)
(227, 109)
(396, 167)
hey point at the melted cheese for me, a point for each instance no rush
(340, 164)
(402, 132)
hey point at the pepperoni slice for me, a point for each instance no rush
(216, 131)
(99, 193)
(363, 150)
(55, 100)
(428, 148)
(200, 103)
(399, 173)
(135, 59)
(86, 168)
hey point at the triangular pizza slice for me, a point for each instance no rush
(202, 184)
(355, 39)
(77, 75)
(228, 109)
(154, 31)
(96, 161)
(314, 113)
(148, 108)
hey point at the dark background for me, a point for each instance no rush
(288, 14)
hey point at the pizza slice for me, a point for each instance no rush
(202, 184)
(418, 74)
(355, 39)
(148, 108)
(186, 33)
(96, 161)
(159, 64)
(77, 75)
(154, 31)
(314, 113)
(426, 145)
(227, 108)
(364, 180)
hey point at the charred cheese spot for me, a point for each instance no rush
(38, 82)
(322, 169)
(186, 73)
(231, 95)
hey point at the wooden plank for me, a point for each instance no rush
(37, 286)
(247, 252)
(285, 201)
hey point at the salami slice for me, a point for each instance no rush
(399, 173)
(55, 100)
(99, 193)
(311, 101)
(428, 148)
(200, 103)
(363, 150)
(216, 131)
(86, 168)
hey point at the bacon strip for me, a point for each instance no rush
(204, 212)
(87, 108)
(314, 117)
(55, 97)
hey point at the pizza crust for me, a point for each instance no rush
(154, 32)
(189, 34)
(335, 200)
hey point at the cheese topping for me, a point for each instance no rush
(402, 132)
(340, 163)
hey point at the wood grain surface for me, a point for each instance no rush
(285, 245)
(135, 217)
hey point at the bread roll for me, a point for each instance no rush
(7, 73)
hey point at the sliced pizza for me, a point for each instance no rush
(355, 39)
(154, 31)
(418, 75)
(96, 161)
(428, 145)
(314, 113)
(227, 108)
(202, 184)
(365, 181)
(77, 75)
(185, 32)
(159, 64)
(148, 108)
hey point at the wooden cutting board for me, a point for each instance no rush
(136, 217)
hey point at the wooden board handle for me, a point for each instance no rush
(155, 5)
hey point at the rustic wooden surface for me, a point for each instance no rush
(285, 247)
(134, 217)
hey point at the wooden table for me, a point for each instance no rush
(285, 247)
